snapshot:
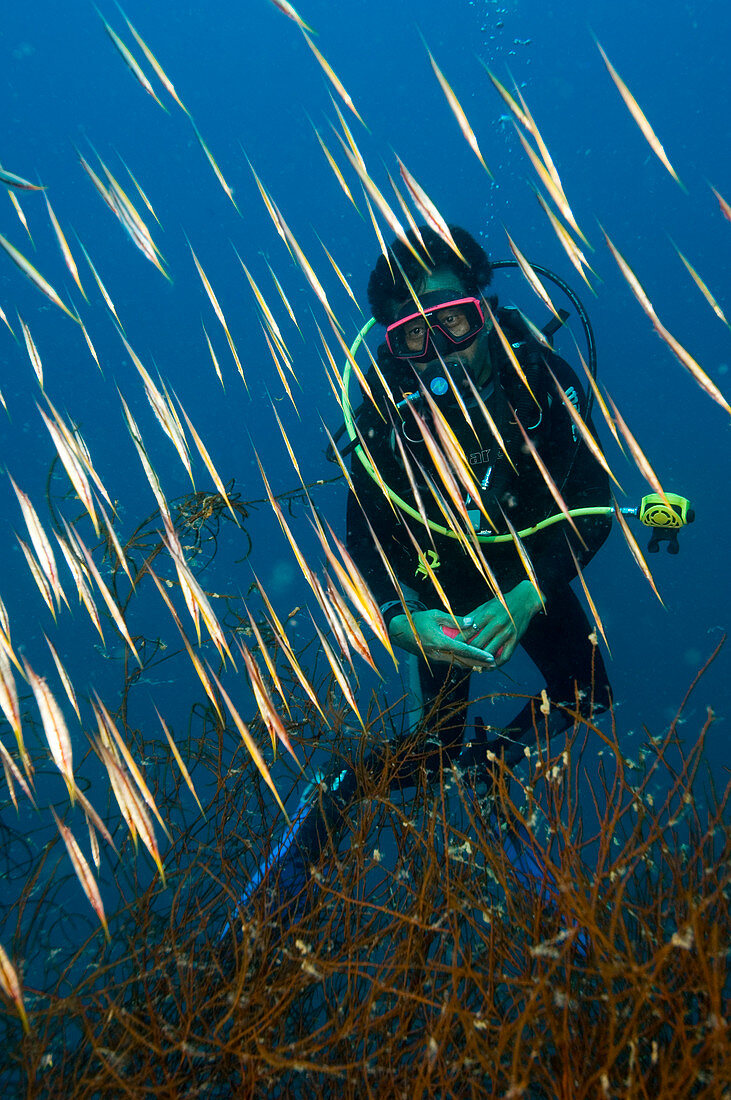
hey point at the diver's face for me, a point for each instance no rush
(474, 358)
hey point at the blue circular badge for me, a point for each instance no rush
(439, 386)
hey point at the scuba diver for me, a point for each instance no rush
(442, 341)
(453, 356)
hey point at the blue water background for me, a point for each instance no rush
(249, 79)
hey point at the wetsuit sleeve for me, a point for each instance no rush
(585, 484)
(371, 503)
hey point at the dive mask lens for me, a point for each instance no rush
(436, 329)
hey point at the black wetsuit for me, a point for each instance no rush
(557, 640)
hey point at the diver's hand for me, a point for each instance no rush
(491, 628)
(435, 630)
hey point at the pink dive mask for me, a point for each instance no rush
(437, 329)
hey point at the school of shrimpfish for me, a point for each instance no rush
(75, 556)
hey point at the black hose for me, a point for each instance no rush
(583, 317)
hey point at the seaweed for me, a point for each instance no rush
(422, 960)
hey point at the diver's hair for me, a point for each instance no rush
(387, 287)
